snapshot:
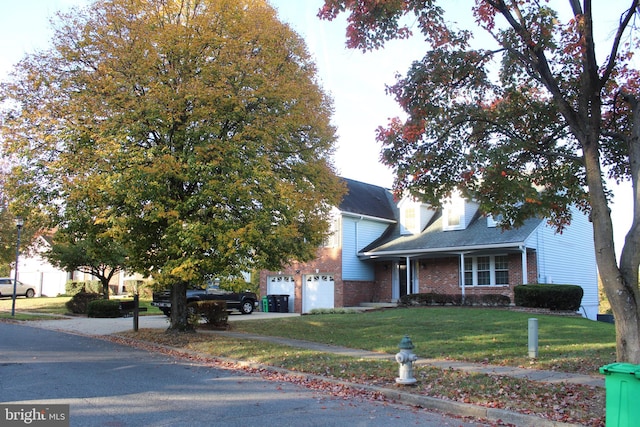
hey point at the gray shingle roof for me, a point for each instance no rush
(369, 200)
(435, 239)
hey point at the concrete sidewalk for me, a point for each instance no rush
(93, 326)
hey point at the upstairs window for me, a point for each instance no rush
(409, 220)
(453, 215)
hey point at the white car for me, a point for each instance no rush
(6, 288)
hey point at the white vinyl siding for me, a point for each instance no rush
(569, 258)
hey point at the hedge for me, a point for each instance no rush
(552, 297)
(214, 312)
(103, 308)
(425, 299)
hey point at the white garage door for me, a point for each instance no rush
(282, 285)
(317, 292)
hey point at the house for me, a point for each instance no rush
(381, 250)
(48, 280)
(36, 271)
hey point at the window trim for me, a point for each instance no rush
(492, 270)
(457, 207)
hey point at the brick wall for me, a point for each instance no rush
(442, 275)
(439, 275)
(327, 261)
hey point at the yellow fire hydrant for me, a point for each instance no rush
(406, 358)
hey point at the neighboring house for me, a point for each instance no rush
(36, 271)
(50, 281)
(380, 251)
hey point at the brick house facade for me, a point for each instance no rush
(378, 240)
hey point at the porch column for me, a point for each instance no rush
(462, 275)
(408, 284)
(525, 273)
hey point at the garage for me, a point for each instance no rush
(317, 292)
(282, 285)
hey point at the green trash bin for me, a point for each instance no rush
(265, 304)
(622, 382)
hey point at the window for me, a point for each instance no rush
(453, 215)
(502, 270)
(483, 264)
(409, 221)
(486, 270)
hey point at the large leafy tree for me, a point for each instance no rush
(196, 126)
(530, 126)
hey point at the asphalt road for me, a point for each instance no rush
(111, 385)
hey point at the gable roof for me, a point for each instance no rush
(434, 239)
(369, 200)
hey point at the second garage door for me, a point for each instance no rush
(317, 292)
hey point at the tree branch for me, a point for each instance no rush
(624, 22)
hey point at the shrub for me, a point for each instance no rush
(79, 304)
(334, 311)
(552, 297)
(426, 299)
(213, 312)
(72, 287)
(144, 288)
(103, 308)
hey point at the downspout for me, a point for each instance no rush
(357, 236)
(525, 273)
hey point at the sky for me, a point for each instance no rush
(355, 80)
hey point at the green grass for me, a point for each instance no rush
(496, 336)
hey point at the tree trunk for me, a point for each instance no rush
(179, 314)
(620, 284)
(105, 287)
(626, 294)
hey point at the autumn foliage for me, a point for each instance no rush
(516, 105)
(193, 132)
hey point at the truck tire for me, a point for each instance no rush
(247, 307)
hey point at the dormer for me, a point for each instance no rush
(493, 221)
(457, 212)
(414, 215)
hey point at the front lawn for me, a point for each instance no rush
(495, 336)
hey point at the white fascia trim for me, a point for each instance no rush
(368, 217)
(461, 249)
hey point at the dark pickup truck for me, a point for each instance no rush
(244, 302)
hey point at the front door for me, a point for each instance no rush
(400, 285)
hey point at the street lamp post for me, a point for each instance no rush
(19, 224)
